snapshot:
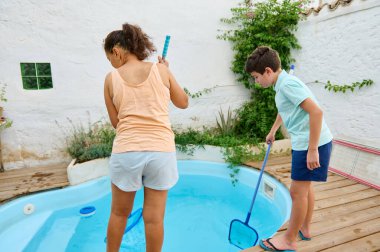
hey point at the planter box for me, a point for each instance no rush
(82, 172)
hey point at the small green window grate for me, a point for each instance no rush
(36, 76)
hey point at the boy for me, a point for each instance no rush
(311, 141)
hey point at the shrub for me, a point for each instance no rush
(90, 143)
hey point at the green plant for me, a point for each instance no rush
(226, 126)
(235, 149)
(90, 143)
(237, 155)
(3, 92)
(4, 122)
(343, 88)
(199, 93)
(270, 23)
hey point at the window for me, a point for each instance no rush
(36, 76)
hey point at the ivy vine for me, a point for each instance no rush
(199, 93)
(271, 23)
(343, 88)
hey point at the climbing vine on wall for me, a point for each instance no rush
(199, 93)
(271, 23)
(343, 88)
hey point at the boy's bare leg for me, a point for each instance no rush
(122, 204)
(153, 214)
(306, 227)
(299, 191)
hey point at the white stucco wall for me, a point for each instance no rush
(341, 46)
(69, 35)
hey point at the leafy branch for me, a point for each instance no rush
(199, 93)
(343, 88)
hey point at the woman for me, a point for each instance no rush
(137, 95)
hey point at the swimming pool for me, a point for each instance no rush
(199, 210)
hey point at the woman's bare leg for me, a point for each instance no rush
(153, 214)
(122, 204)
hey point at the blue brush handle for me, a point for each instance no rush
(139, 212)
(258, 183)
(166, 45)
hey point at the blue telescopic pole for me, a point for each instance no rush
(258, 183)
(166, 45)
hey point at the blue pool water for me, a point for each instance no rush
(199, 210)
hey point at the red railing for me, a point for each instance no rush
(361, 148)
(357, 146)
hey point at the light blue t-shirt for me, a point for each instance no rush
(290, 92)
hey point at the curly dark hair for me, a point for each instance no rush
(132, 39)
(262, 57)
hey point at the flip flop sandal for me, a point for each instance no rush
(304, 238)
(266, 248)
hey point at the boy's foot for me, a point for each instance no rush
(304, 235)
(277, 244)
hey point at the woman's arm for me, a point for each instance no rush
(177, 94)
(108, 93)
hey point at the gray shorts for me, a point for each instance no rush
(129, 171)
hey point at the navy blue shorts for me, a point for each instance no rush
(299, 166)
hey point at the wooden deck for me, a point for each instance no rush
(20, 182)
(346, 215)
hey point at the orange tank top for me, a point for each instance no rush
(143, 112)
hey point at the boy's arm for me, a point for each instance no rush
(277, 123)
(315, 118)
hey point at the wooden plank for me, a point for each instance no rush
(342, 221)
(334, 238)
(332, 185)
(367, 243)
(34, 182)
(340, 191)
(333, 178)
(343, 199)
(341, 210)
(278, 167)
(29, 171)
(341, 236)
(271, 161)
(35, 186)
(4, 196)
(24, 181)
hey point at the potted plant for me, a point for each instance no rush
(90, 148)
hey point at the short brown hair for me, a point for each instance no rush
(262, 57)
(132, 39)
